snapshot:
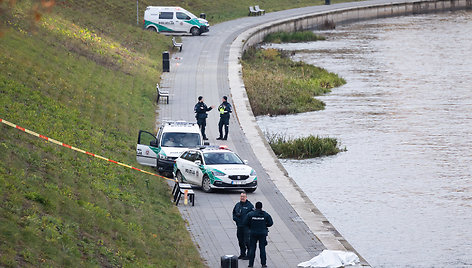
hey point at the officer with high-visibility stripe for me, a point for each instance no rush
(225, 110)
(258, 222)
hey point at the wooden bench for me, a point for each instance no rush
(261, 11)
(180, 189)
(177, 45)
(162, 93)
(252, 11)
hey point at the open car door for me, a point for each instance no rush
(147, 149)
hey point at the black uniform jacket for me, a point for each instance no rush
(258, 221)
(201, 109)
(240, 210)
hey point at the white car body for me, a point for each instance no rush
(195, 167)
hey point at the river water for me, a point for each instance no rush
(402, 193)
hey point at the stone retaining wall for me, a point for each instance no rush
(349, 15)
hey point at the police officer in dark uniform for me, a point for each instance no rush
(225, 110)
(201, 110)
(258, 221)
(240, 210)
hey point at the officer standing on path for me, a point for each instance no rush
(240, 210)
(201, 110)
(225, 110)
(258, 221)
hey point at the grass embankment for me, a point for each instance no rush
(302, 148)
(276, 85)
(292, 37)
(83, 75)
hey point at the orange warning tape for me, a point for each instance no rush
(79, 150)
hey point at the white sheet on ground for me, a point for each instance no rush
(331, 258)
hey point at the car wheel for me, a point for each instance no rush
(179, 176)
(250, 190)
(206, 184)
(195, 31)
(152, 29)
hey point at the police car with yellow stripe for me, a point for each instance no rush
(215, 168)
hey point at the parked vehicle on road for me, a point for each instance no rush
(173, 20)
(173, 137)
(215, 168)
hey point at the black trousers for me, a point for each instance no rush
(223, 122)
(253, 239)
(202, 124)
(243, 239)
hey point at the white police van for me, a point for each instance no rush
(173, 20)
(215, 168)
(173, 137)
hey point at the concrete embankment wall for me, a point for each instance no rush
(349, 15)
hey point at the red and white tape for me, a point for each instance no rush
(78, 150)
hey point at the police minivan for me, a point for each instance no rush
(173, 20)
(173, 138)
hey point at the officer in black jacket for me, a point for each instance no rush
(225, 110)
(201, 110)
(240, 210)
(258, 221)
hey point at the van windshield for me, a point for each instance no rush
(184, 140)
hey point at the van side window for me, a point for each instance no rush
(182, 16)
(166, 15)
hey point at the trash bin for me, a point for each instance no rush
(165, 61)
(327, 2)
(203, 16)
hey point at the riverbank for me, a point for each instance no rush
(276, 85)
(338, 14)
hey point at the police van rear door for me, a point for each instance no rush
(147, 149)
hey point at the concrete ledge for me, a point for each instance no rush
(314, 219)
(352, 14)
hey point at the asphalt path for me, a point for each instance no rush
(202, 69)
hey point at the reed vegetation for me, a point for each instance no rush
(304, 147)
(292, 37)
(276, 85)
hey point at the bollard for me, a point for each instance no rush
(203, 16)
(185, 197)
(327, 2)
(165, 61)
(229, 261)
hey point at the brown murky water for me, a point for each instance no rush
(402, 193)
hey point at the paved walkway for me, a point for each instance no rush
(202, 69)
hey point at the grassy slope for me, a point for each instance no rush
(84, 74)
(87, 81)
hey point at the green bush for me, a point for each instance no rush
(302, 148)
